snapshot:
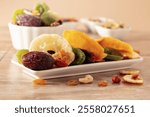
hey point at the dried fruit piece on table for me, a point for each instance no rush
(20, 53)
(39, 82)
(102, 83)
(124, 48)
(131, 79)
(81, 40)
(116, 79)
(72, 82)
(38, 60)
(54, 45)
(129, 72)
(79, 56)
(86, 80)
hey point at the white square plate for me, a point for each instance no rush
(79, 69)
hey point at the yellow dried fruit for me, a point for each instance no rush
(124, 48)
(129, 72)
(131, 79)
(80, 40)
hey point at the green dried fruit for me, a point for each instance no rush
(16, 13)
(113, 57)
(20, 53)
(41, 7)
(49, 17)
(79, 56)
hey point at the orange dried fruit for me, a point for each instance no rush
(72, 82)
(124, 48)
(39, 82)
(81, 40)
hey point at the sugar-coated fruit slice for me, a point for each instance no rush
(79, 56)
(20, 53)
(55, 45)
(81, 40)
(16, 13)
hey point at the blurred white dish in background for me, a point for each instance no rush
(119, 33)
(106, 27)
(22, 36)
(89, 25)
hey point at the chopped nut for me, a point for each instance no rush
(130, 79)
(102, 83)
(39, 82)
(72, 82)
(129, 72)
(116, 79)
(86, 80)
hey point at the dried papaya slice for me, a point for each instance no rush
(123, 47)
(81, 40)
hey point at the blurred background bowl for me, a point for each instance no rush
(119, 33)
(21, 36)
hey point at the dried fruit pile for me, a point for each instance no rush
(128, 76)
(74, 48)
(41, 15)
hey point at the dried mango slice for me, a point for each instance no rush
(80, 40)
(124, 48)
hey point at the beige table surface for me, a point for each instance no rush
(14, 84)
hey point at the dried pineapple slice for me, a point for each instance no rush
(80, 40)
(124, 48)
(55, 45)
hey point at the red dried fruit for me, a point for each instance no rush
(60, 63)
(102, 83)
(116, 79)
(38, 60)
(72, 82)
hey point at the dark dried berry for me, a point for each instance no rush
(116, 79)
(38, 60)
(28, 20)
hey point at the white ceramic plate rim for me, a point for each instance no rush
(36, 74)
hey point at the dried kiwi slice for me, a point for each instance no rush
(113, 57)
(41, 7)
(16, 13)
(112, 51)
(79, 56)
(20, 53)
(49, 17)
